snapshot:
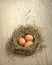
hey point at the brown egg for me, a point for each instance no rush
(29, 38)
(28, 43)
(22, 41)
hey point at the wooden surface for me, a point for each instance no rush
(13, 13)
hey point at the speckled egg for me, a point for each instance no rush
(21, 41)
(28, 44)
(29, 38)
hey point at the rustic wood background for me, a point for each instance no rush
(13, 13)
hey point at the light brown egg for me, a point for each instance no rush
(22, 41)
(28, 43)
(29, 38)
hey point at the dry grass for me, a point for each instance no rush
(22, 31)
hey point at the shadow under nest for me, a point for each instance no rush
(22, 31)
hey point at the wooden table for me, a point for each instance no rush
(14, 13)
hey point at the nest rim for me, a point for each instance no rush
(18, 49)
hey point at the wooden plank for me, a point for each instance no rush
(13, 15)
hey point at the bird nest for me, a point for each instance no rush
(22, 31)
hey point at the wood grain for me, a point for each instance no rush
(14, 13)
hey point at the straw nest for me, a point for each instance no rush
(22, 31)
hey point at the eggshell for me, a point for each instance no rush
(29, 38)
(22, 41)
(28, 43)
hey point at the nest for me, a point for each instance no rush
(22, 31)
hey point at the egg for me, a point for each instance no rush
(28, 44)
(29, 38)
(21, 41)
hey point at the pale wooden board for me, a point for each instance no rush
(12, 15)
